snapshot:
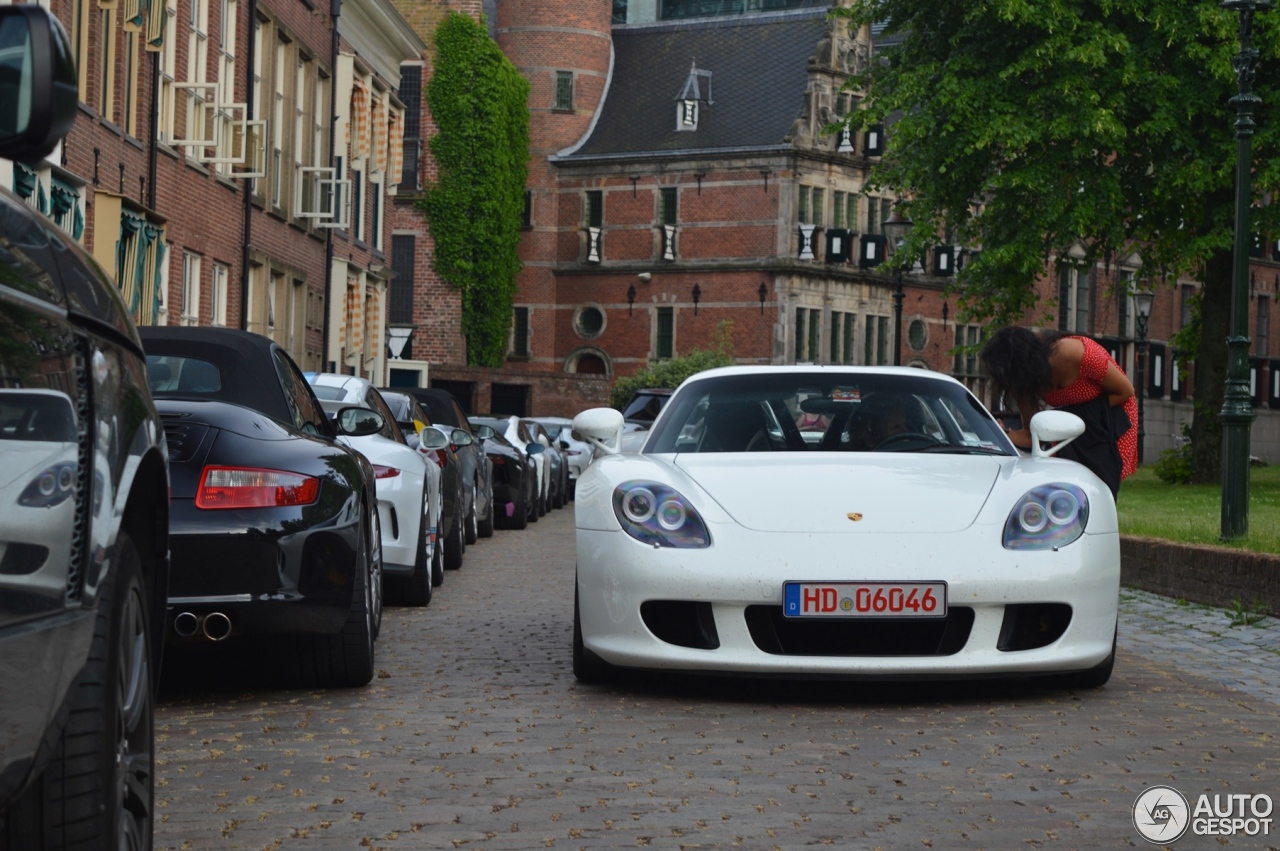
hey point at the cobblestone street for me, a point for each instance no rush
(476, 735)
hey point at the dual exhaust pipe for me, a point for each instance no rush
(214, 626)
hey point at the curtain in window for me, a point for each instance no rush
(135, 15)
(359, 120)
(395, 152)
(155, 275)
(157, 17)
(131, 226)
(378, 120)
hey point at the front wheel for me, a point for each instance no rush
(97, 790)
(1095, 677)
(473, 526)
(588, 668)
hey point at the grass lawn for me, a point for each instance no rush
(1193, 513)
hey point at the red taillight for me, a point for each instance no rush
(499, 462)
(249, 487)
(442, 460)
(381, 472)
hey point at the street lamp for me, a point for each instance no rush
(896, 228)
(1142, 306)
(1237, 414)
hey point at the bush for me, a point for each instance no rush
(670, 372)
(1174, 465)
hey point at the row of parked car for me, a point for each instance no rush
(186, 486)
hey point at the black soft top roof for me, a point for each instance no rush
(243, 359)
(438, 403)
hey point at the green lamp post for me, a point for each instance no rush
(1237, 414)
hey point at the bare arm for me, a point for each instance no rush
(1117, 387)
(1021, 437)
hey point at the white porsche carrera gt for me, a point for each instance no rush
(842, 521)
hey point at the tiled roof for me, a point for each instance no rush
(758, 66)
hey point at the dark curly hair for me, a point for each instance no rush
(1017, 361)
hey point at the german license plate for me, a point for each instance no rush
(864, 599)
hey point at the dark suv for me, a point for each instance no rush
(84, 552)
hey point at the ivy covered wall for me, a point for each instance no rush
(480, 105)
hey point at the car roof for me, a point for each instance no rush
(350, 383)
(240, 356)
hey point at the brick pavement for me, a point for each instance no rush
(475, 735)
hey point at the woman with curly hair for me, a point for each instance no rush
(1070, 372)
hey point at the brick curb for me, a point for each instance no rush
(1215, 576)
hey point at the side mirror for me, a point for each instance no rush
(535, 448)
(39, 86)
(485, 432)
(461, 437)
(601, 427)
(1056, 427)
(359, 422)
(433, 438)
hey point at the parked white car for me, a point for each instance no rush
(408, 488)
(577, 452)
(912, 541)
(517, 433)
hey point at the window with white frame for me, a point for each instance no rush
(229, 111)
(197, 73)
(165, 131)
(107, 63)
(218, 302)
(278, 125)
(259, 107)
(301, 125)
(1073, 299)
(375, 211)
(190, 289)
(132, 64)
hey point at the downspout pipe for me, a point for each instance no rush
(249, 106)
(152, 145)
(335, 11)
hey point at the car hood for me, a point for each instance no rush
(879, 492)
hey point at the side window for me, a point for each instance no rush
(307, 415)
(391, 430)
(463, 422)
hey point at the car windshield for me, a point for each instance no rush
(329, 392)
(826, 412)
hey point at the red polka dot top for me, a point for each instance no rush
(1089, 386)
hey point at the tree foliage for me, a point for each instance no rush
(480, 104)
(1024, 127)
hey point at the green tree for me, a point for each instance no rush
(1022, 127)
(480, 104)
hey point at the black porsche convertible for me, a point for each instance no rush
(273, 527)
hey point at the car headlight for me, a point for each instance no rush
(658, 515)
(1046, 518)
(50, 487)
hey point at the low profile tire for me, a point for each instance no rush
(588, 668)
(377, 581)
(486, 525)
(345, 659)
(97, 790)
(437, 563)
(473, 525)
(519, 518)
(454, 544)
(1095, 677)
(415, 589)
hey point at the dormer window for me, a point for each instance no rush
(690, 98)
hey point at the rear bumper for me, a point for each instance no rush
(271, 571)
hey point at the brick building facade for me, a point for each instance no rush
(199, 170)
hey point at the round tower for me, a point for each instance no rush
(563, 48)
